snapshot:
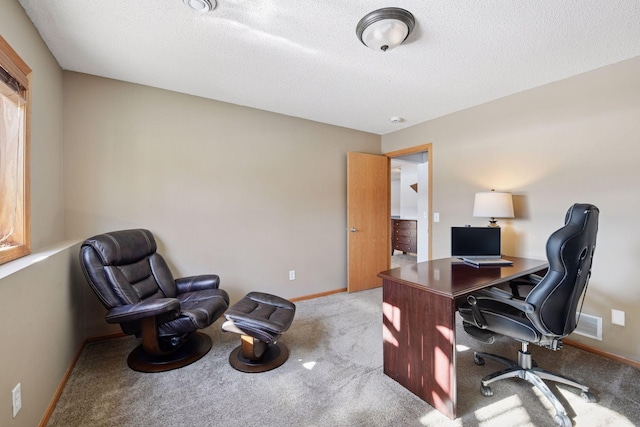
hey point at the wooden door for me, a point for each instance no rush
(368, 220)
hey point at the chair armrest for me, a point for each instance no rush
(534, 279)
(197, 283)
(496, 294)
(529, 280)
(142, 309)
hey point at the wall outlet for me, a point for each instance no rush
(617, 317)
(292, 275)
(16, 398)
(436, 217)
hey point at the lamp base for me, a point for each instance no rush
(493, 223)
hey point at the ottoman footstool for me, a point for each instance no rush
(260, 319)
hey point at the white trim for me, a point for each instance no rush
(24, 262)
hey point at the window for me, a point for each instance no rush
(15, 240)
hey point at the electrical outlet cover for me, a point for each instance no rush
(617, 317)
(16, 397)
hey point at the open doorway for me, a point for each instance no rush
(410, 187)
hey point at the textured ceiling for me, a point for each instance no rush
(302, 58)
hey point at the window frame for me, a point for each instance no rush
(20, 71)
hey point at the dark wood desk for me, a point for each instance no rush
(419, 327)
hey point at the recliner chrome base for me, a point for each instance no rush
(525, 369)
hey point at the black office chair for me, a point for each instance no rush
(137, 288)
(547, 313)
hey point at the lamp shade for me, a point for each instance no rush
(386, 28)
(493, 204)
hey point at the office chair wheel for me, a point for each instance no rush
(563, 421)
(486, 391)
(478, 360)
(588, 397)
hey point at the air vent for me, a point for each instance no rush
(589, 326)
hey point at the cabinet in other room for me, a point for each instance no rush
(404, 235)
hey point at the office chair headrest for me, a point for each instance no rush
(579, 212)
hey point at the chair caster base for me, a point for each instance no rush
(486, 391)
(273, 357)
(193, 349)
(563, 420)
(527, 370)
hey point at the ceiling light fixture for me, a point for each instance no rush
(202, 6)
(385, 28)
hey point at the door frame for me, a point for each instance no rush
(428, 148)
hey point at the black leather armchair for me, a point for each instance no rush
(547, 313)
(136, 286)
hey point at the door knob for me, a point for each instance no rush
(353, 229)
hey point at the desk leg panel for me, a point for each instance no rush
(419, 343)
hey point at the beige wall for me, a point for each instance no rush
(577, 140)
(39, 303)
(43, 307)
(235, 191)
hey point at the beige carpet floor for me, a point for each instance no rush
(400, 259)
(333, 378)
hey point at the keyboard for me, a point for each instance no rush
(487, 261)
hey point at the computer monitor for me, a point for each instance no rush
(479, 242)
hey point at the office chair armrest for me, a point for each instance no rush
(529, 280)
(142, 309)
(534, 278)
(496, 294)
(478, 318)
(197, 283)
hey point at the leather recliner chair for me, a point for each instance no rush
(137, 288)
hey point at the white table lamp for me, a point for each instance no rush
(493, 204)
